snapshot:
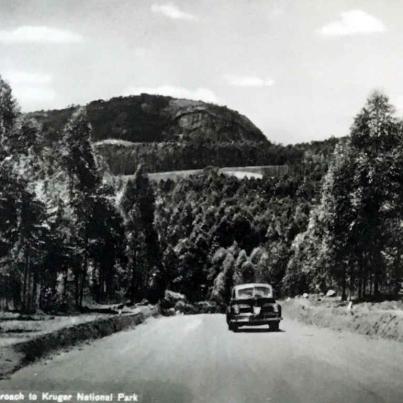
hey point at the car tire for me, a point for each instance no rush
(274, 326)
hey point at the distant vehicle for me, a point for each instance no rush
(253, 304)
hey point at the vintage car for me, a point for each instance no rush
(253, 304)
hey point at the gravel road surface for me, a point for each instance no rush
(196, 359)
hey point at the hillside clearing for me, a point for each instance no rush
(249, 172)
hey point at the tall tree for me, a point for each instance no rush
(107, 247)
(8, 115)
(23, 226)
(375, 137)
(83, 181)
(143, 250)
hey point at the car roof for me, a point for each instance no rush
(249, 285)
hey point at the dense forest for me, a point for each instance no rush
(123, 159)
(69, 234)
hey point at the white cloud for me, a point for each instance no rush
(202, 94)
(38, 34)
(353, 22)
(248, 81)
(170, 10)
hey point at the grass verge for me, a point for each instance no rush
(15, 355)
(373, 319)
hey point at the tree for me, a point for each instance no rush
(84, 179)
(29, 249)
(107, 247)
(224, 282)
(375, 137)
(59, 256)
(23, 226)
(10, 190)
(144, 256)
(8, 116)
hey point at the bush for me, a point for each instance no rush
(295, 283)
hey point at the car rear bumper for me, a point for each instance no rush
(254, 320)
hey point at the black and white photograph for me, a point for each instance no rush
(201, 201)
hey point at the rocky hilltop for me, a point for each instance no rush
(153, 118)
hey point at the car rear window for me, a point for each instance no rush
(245, 292)
(255, 292)
(262, 292)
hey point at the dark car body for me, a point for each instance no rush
(253, 304)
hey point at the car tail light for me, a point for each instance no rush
(277, 309)
(235, 308)
(256, 310)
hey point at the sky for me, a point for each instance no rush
(299, 69)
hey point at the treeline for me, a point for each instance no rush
(123, 158)
(354, 237)
(64, 237)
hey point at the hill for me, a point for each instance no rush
(153, 118)
(169, 134)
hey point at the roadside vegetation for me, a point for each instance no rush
(71, 232)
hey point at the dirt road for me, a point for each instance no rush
(196, 359)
